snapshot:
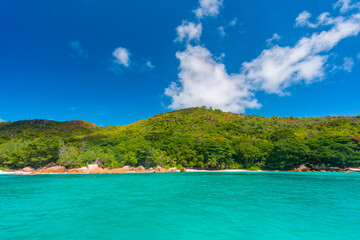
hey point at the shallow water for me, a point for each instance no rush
(181, 206)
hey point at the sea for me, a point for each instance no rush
(192, 205)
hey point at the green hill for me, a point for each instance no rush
(194, 137)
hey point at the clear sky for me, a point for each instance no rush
(115, 62)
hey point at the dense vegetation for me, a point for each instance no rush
(194, 137)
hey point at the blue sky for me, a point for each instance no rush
(116, 62)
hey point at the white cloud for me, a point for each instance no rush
(77, 48)
(122, 56)
(149, 64)
(345, 5)
(72, 108)
(233, 22)
(2, 120)
(208, 8)
(203, 81)
(277, 68)
(221, 30)
(358, 56)
(303, 19)
(220, 57)
(275, 37)
(348, 64)
(188, 31)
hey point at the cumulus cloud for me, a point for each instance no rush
(274, 38)
(346, 5)
(2, 120)
(122, 56)
(208, 8)
(188, 31)
(203, 81)
(277, 68)
(78, 49)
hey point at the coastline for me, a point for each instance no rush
(20, 172)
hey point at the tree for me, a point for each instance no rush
(288, 154)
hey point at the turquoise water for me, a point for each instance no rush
(181, 206)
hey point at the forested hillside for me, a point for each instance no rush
(194, 137)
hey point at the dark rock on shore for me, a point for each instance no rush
(50, 165)
(98, 162)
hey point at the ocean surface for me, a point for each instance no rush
(181, 206)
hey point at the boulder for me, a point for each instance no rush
(332, 169)
(91, 167)
(183, 170)
(303, 168)
(28, 169)
(140, 169)
(318, 168)
(99, 171)
(129, 168)
(159, 169)
(354, 169)
(172, 169)
(50, 165)
(83, 170)
(98, 162)
(73, 170)
(57, 169)
(117, 170)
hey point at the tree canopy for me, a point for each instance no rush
(194, 137)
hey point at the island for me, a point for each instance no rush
(188, 139)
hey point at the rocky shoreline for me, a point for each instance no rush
(96, 168)
(303, 168)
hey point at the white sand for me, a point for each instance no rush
(15, 172)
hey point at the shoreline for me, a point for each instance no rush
(187, 170)
(19, 172)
